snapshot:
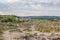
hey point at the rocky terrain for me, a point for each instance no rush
(15, 28)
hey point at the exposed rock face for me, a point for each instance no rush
(17, 36)
(23, 36)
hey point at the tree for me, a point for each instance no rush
(10, 18)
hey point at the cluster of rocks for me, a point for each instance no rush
(30, 36)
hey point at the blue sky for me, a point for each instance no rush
(30, 7)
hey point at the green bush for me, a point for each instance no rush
(9, 18)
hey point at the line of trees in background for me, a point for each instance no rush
(13, 18)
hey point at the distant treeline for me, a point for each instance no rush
(39, 16)
(13, 18)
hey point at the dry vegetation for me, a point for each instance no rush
(27, 25)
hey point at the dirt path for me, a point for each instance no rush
(6, 35)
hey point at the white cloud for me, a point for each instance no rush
(54, 1)
(30, 7)
(36, 6)
(8, 1)
(26, 13)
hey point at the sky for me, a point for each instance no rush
(30, 7)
